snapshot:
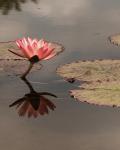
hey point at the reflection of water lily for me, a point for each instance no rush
(35, 50)
(34, 103)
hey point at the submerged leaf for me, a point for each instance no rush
(102, 81)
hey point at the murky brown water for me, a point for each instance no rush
(82, 26)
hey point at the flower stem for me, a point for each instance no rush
(27, 71)
(29, 85)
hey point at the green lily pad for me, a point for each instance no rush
(101, 81)
(13, 64)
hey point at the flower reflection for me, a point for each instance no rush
(7, 5)
(34, 103)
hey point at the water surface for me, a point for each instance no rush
(82, 26)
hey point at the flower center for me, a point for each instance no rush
(34, 59)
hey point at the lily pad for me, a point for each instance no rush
(13, 64)
(115, 39)
(101, 81)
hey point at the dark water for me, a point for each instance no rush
(82, 26)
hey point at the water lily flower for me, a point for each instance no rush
(34, 50)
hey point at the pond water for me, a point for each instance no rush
(82, 26)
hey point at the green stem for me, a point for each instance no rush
(27, 71)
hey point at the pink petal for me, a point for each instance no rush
(40, 43)
(50, 56)
(34, 40)
(45, 46)
(27, 52)
(21, 46)
(19, 43)
(25, 47)
(34, 46)
(40, 53)
(25, 43)
(48, 52)
(29, 40)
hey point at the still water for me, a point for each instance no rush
(82, 26)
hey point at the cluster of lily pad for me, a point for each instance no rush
(101, 79)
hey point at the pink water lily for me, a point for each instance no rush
(35, 50)
(34, 47)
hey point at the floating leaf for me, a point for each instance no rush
(101, 94)
(16, 67)
(101, 81)
(5, 54)
(58, 47)
(115, 39)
